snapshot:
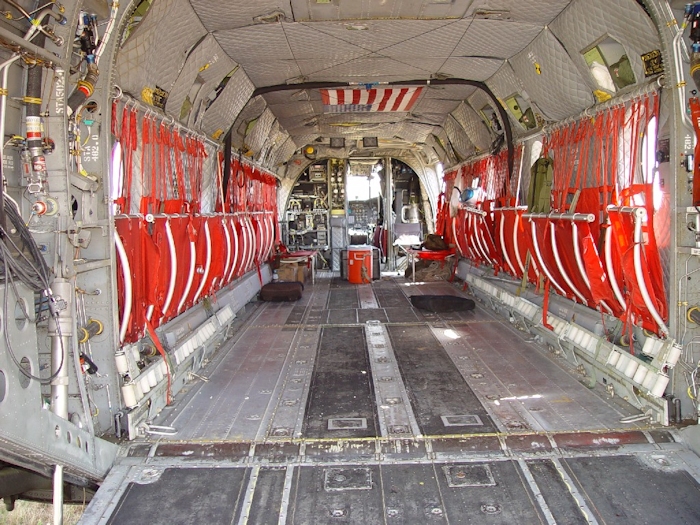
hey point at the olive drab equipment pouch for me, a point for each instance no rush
(540, 192)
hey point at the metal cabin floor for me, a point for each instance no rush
(350, 406)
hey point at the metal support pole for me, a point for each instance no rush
(388, 214)
(60, 331)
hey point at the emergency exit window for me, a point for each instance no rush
(522, 111)
(609, 66)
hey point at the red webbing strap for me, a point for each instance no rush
(146, 193)
(694, 104)
(164, 157)
(179, 148)
(161, 351)
(127, 138)
(156, 199)
(115, 121)
(545, 306)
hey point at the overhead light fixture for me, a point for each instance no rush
(323, 1)
(356, 27)
(270, 18)
(370, 142)
(492, 14)
(337, 142)
(310, 152)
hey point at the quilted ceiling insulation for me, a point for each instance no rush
(210, 57)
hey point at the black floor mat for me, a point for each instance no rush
(203, 496)
(442, 401)
(341, 400)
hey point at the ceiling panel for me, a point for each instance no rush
(495, 38)
(255, 43)
(539, 12)
(293, 110)
(363, 9)
(448, 91)
(371, 69)
(272, 73)
(470, 67)
(217, 15)
(437, 41)
(308, 41)
(380, 34)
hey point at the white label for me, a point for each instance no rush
(60, 92)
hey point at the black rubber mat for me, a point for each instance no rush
(267, 499)
(411, 494)
(296, 316)
(391, 297)
(342, 494)
(343, 298)
(442, 401)
(405, 314)
(625, 490)
(203, 496)
(341, 399)
(342, 316)
(493, 493)
(556, 494)
(317, 316)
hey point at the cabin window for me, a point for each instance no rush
(609, 66)
(136, 17)
(522, 111)
(488, 114)
(650, 166)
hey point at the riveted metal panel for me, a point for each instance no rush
(473, 126)
(225, 108)
(206, 61)
(584, 23)
(155, 53)
(551, 78)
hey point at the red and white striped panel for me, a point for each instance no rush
(353, 100)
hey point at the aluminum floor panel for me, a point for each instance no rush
(253, 444)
